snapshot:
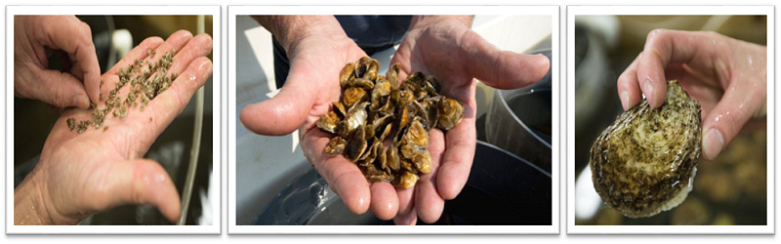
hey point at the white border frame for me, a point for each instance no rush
(215, 11)
(233, 11)
(572, 11)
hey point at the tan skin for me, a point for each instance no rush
(83, 174)
(35, 38)
(443, 46)
(728, 77)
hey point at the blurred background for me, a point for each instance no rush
(730, 190)
(510, 182)
(113, 37)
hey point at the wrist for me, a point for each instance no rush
(291, 30)
(29, 204)
(419, 21)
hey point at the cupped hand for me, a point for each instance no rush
(82, 174)
(316, 60)
(35, 37)
(727, 77)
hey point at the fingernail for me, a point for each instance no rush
(649, 92)
(712, 144)
(625, 100)
(80, 101)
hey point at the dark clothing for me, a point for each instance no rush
(372, 33)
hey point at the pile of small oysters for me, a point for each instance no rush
(142, 88)
(382, 124)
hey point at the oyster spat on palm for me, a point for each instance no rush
(644, 163)
(382, 123)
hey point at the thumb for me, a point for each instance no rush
(727, 118)
(60, 89)
(285, 112)
(501, 69)
(140, 181)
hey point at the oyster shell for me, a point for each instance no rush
(450, 113)
(644, 163)
(335, 147)
(328, 122)
(406, 180)
(356, 146)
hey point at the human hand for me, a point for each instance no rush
(727, 77)
(444, 46)
(35, 38)
(82, 174)
(313, 85)
(318, 49)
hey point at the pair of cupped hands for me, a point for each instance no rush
(727, 76)
(83, 174)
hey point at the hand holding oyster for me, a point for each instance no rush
(644, 163)
(373, 109)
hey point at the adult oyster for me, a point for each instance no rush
(644, 163)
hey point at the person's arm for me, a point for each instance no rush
(290, 29)
(423, 20)
(28, 204)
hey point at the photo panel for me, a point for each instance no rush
(669, 119)
(324, 131)
(137, 148)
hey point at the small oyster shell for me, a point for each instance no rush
(406, 180)
(450, 113)
(347, 74)
(356, 146)
(335, 147)
(645, 162)
(422, 161)
(328, 122)
(353, 95)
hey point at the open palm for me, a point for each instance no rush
(82, 174)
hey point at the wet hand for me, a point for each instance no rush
(317, 56)
(727, 77)
(82, 174)
(444, 46)
(313, 84)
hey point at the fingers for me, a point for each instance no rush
(342, 176)
(138, 182)
(59, 89)
(428, 202)
(501, 69)
(348, 182)
(628, 88)
(193, 69)
(460, 143)
(384, 203)
(727, 118)
(410, 218)
(286, 111)
(664, 47)
(69, 34)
